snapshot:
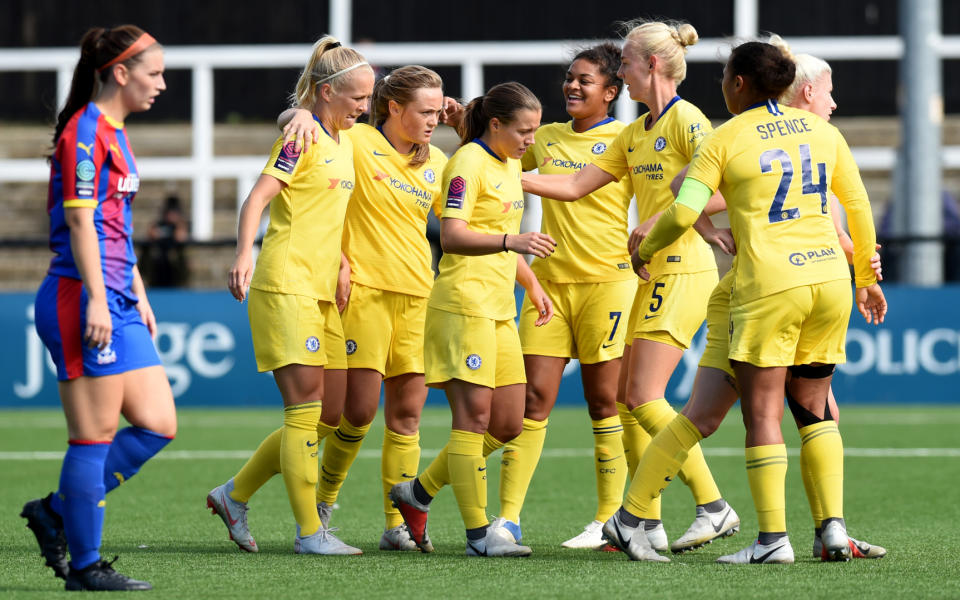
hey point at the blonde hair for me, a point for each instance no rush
(809, 69)
(329, 63)
(400, 86)
(668, 40)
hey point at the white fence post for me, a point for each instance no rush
(201, 212)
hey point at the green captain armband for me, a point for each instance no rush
(681, 215)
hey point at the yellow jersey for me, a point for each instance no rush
(776, 166)
(384, 236)
(301, 249)
(652, 159)
(592, 232)
(484, 191)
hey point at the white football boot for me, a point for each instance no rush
(590, 538)
(398, 538)
(323, 542)
(234, 515)
(629, 540)
(779, 552)
(836, 544)
(498, 542)
(706, 527)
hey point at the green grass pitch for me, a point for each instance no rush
(897, 495)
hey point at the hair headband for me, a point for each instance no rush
(341, 72)
(142, 43)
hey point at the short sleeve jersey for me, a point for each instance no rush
(301, 249)
(484, 191)
(652, 159)
(775, 166)
(384, 236)
(93, 167)
(592, 232)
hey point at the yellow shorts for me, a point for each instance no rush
(289, 329)
(798, 326)
(589, 321)
(473, 349)
(384, 331)
(718, 326)
(670, 308)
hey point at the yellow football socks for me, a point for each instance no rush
(816, 511)
(660, 463)
(635, 441)
(657, 414)
(520, 458)
(767, 472)
(437, 473)
(399, 461)
(821, 450)
(468, 476)
(611, 465)
(298, 462)
(259, 468)
(339, 453)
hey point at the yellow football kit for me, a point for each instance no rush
(588, 278)
(384, 239)
(775, 166)
(485, 192)
(300, 256)
(652, 158)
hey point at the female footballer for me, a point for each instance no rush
(472, 348)
(92, 311)
(293, 316)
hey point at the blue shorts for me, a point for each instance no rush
(60, 311)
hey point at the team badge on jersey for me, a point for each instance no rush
(351, 346)
(106, 356)
(455, 193)
(313, 344)
(474, 361)
(429, 175)
(660, 144)
(288, 157)
(599, 148)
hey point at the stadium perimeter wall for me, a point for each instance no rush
(204, 341)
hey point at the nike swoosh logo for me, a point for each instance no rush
(605, 346)
(650, 316)
(375, 153)
(405, 476)
(754, 560)
(609, 459)
(717, 528)
(481, 468)
(668, 479)
(230, 518)
(477, 550)
(328, 160)
(629, 149)
(550, 144)
(313, 444)
(623, 543)
(498, 185)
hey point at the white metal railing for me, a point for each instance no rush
(202, 166)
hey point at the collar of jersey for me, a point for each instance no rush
(380, 129)
(595, 125)
(487, 148)
(771, 105)
(111, 121)
(317, 119)
(673, 101)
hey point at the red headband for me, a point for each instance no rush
(142, 43)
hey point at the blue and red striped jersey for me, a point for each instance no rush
(93, 166)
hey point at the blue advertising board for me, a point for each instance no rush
(204, 341)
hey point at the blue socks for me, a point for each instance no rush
(131, 447)
(81, 500)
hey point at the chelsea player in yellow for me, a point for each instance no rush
(668, 310)
(472, 349)
(790, 279)
(384, 241)
(294, 321)
(591, 285)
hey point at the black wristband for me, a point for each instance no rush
(504, 242)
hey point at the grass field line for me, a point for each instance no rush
(547, 453)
